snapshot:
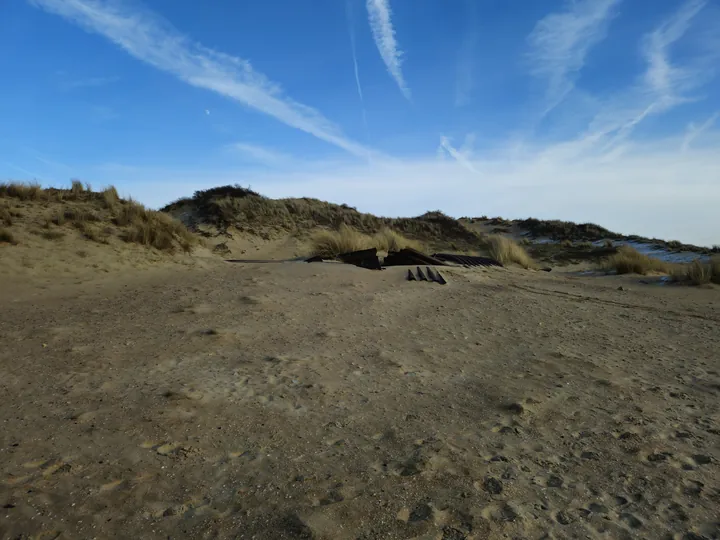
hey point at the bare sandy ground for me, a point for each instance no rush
(323, 401)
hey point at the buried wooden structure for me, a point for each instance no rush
(368, 258)
(428, 275)
(365, 258)
(410, 257)
(467, 260)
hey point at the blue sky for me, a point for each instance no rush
(588, 110)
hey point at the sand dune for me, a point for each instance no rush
(326, 401)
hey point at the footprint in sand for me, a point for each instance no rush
(57, 468)
(500, 513)
(554, 481)
(162, 448)
(197, 309)
(250, 300)
(490, 485)
(701, 459)
(692, 487)
(115, 484)
(631, 520)
(35, 464)
(167, 448)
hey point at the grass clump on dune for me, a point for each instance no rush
(629, 260)
(152, 228)
(21, 191)
(111, 199)
(7, 237)
(389, 240)
(249, 211)
(331, 243)
(5, 216)
(100, 215)
(699, 273)
(507, 251)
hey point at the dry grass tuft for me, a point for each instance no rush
(507, 251)
(699, 273)
(5, 216)
(147, 235)
(76, 188)
(81, 215)
(130, 213)
(628, 260)
(248, 211)
(91, 232)
(155, 229)
(329, 244)
(24, 192)
(111, 198)
(389, 240)
(52, 234)
(88, 211)
(7, 237)
(333, 243)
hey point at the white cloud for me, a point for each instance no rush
(29, 175)
(663, 85)
(379, 16)
(693, 131)
(356, 67)
(462, 155)
(154, 41)
(261, 154)
(665, 188)
(661, 77)
(561, 41)
(638, 192)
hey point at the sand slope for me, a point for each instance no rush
(329, 402)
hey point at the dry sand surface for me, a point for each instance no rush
(323, 401)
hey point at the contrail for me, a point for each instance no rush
(149, 38)
(351, 28)
(379, 17)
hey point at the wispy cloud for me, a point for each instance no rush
(694, 131)
(465, 82)
(29, 174)
(462, 155)
(147, 37)
(88, 82)
(545, 182)
(353, 46)
(663, 79)
(45, 160)
(257, 153)
(663, 85)
(560, 43)
(380, 17)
